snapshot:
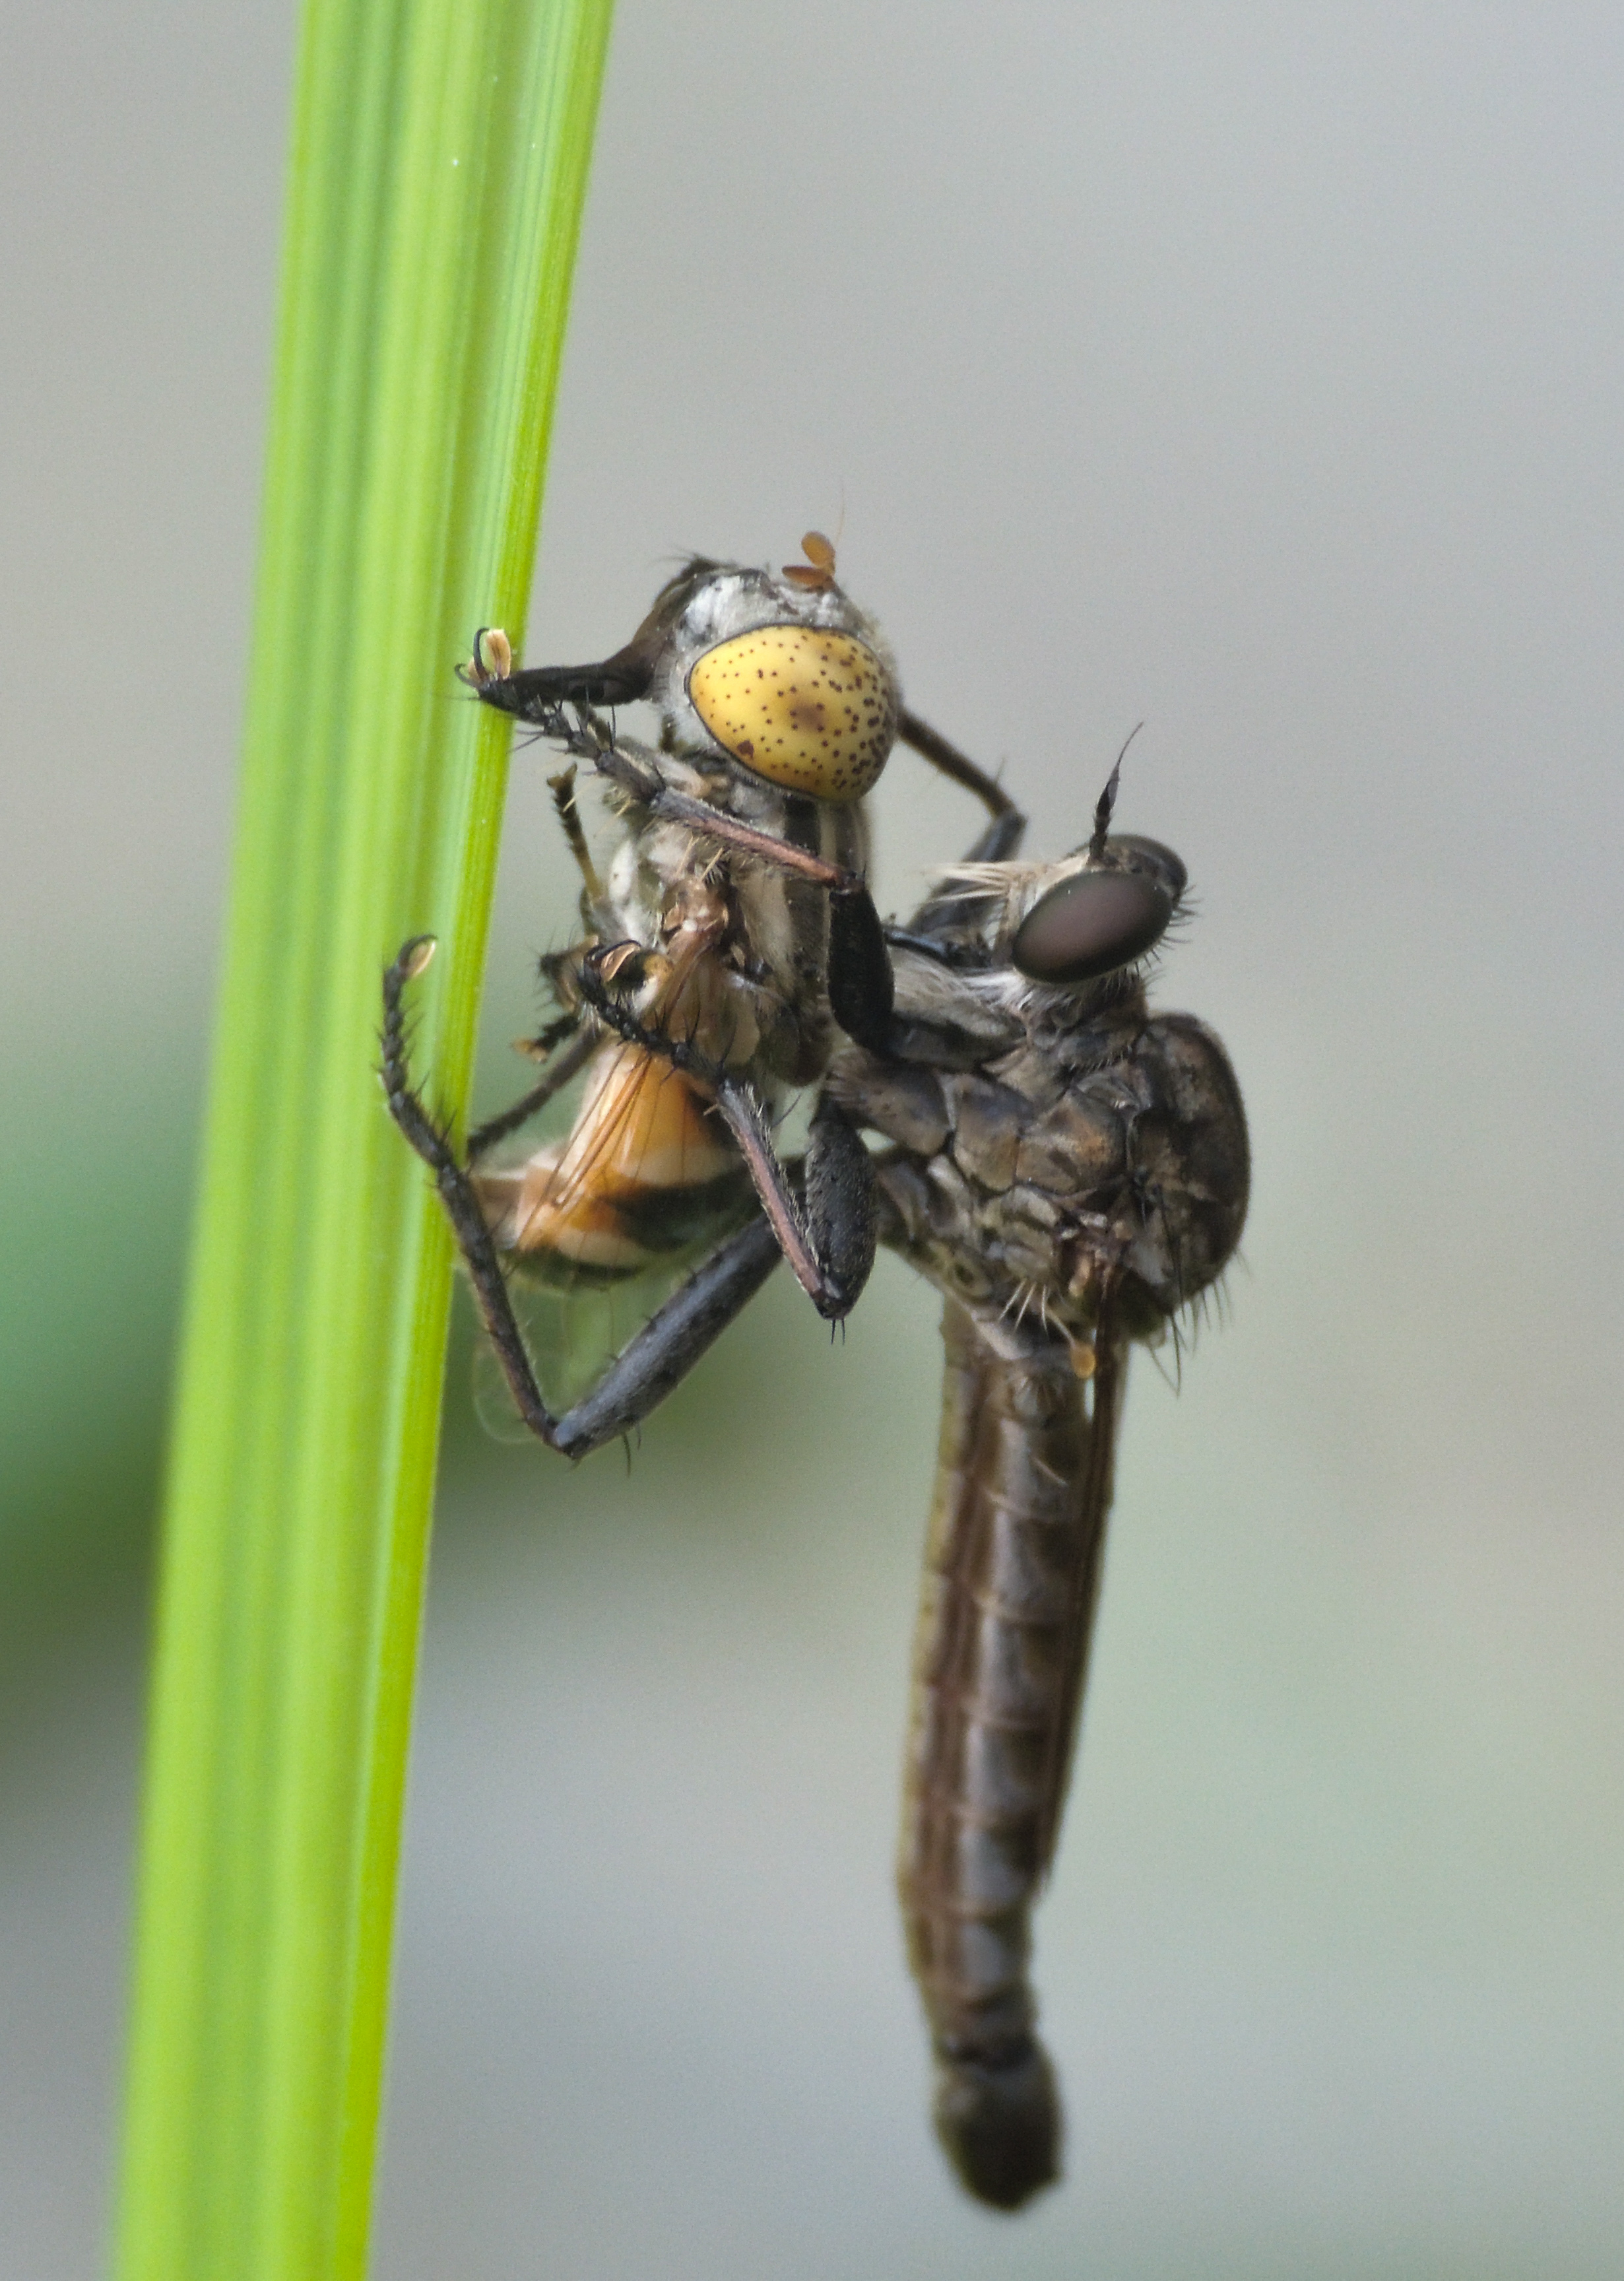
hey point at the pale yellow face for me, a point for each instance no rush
(808, 709)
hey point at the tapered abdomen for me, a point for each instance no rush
(1012, 1568)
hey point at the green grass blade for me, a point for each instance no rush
(439, 160)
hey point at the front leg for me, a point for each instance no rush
(663, 1352)
(827, 1233)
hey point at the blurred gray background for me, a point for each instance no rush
(1255, 372)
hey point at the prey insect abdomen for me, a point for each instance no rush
(641, 1147)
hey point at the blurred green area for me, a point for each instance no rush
(93, 1221)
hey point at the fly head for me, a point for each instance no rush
(777, 673)
(1112, 903)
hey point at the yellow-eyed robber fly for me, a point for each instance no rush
(1071, 1171)
(731, 931)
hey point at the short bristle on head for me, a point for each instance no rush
(818, 569)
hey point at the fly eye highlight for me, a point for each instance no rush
(811, 710)
(1091, 924)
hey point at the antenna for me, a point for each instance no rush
(1108, 799)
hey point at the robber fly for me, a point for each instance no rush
(1071, 1171)
(733, 931)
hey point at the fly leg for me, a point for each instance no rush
(827, 1232)
(668, 1344)
(674, 1338)
(1002, 834)
(456, 1191)
(539, 695)
(829, 1237)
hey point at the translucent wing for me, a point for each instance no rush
(599, 1224)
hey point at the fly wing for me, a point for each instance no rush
(1090, 1500)
(572, 1334)
(601, 1223)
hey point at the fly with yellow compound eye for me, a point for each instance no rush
(730, 937)
(1069, 1168)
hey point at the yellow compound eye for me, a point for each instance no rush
(811, 710)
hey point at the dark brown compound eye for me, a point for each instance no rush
(1091, 924)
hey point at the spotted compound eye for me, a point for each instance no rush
(1091, 924)
(808, 709)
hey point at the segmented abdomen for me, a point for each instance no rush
(1012, 1566)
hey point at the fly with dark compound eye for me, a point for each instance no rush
(731, 932)
(1071, 1171)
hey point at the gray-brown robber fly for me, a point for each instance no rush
(731, 932)
(1071, 1171)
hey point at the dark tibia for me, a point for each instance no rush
(671, 1341)
(1003, 835)
(842, 1218)
(830, 1245)
(998, 2122)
